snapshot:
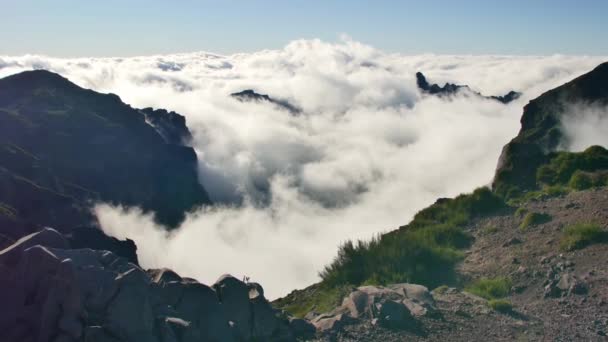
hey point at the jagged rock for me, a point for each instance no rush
(451, 89)
(95, 238)
(57, 293)
(250, 95)
(331, 322)
(170, 125)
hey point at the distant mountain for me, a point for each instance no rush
(250, 95)
(541, 131)
(451, 89)
(63, 147)
(170, 125)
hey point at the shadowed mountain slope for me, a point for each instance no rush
(63, 147)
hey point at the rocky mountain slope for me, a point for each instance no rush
(63, 147)
(523, 262)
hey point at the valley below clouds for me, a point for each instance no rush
(366, 152)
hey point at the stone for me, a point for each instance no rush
(331, 322)
(233, 294)
(130, 314)
(393, 314)
(302, 328)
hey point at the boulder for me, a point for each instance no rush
(130, 314)
(302, 328)
(393, 314)
(418, 299)
(234, 296)
(331, 322)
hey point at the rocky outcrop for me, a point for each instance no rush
(541, 131)
(451, 89)
(52, 292)
(395, 307)
(63, 147)
(170, 125)
(249, 95)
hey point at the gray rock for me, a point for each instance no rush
(302, 328)
(234, 296)
(393, 314)
(331, 322)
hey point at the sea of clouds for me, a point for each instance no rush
(366, 153)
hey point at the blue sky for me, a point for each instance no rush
(138, 27)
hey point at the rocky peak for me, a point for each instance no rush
(451, 89)
(541, 130)
(250, 95)
(63, 147)
(170, 125)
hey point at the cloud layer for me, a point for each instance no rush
(367, 152)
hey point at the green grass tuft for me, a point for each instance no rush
(533, 219)
(441, 289)
(580, 181)
(581, 235)
(501, 305)
(423, 252)
(323, 299)
(489, 230)
(491, 288)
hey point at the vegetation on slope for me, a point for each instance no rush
(423, 252)
(494, 290)
(533, 219)
(581, 235)
(562, 173)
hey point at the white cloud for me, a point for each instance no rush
(368, 151)
(585, 125)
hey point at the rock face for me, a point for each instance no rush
(52, 292)
(250, 95)
(393, 307)
(62, 147)
(541, 130)
(170, 125)
(451, 89)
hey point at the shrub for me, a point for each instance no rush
(320, 299)
(562, 165)
(424, 252)
(489, 230)
(501, 305)
(555, 190)
(582, 234)
(580, 181)
(491, 288)
(441, 289)
(521, 212)
(533, 219)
